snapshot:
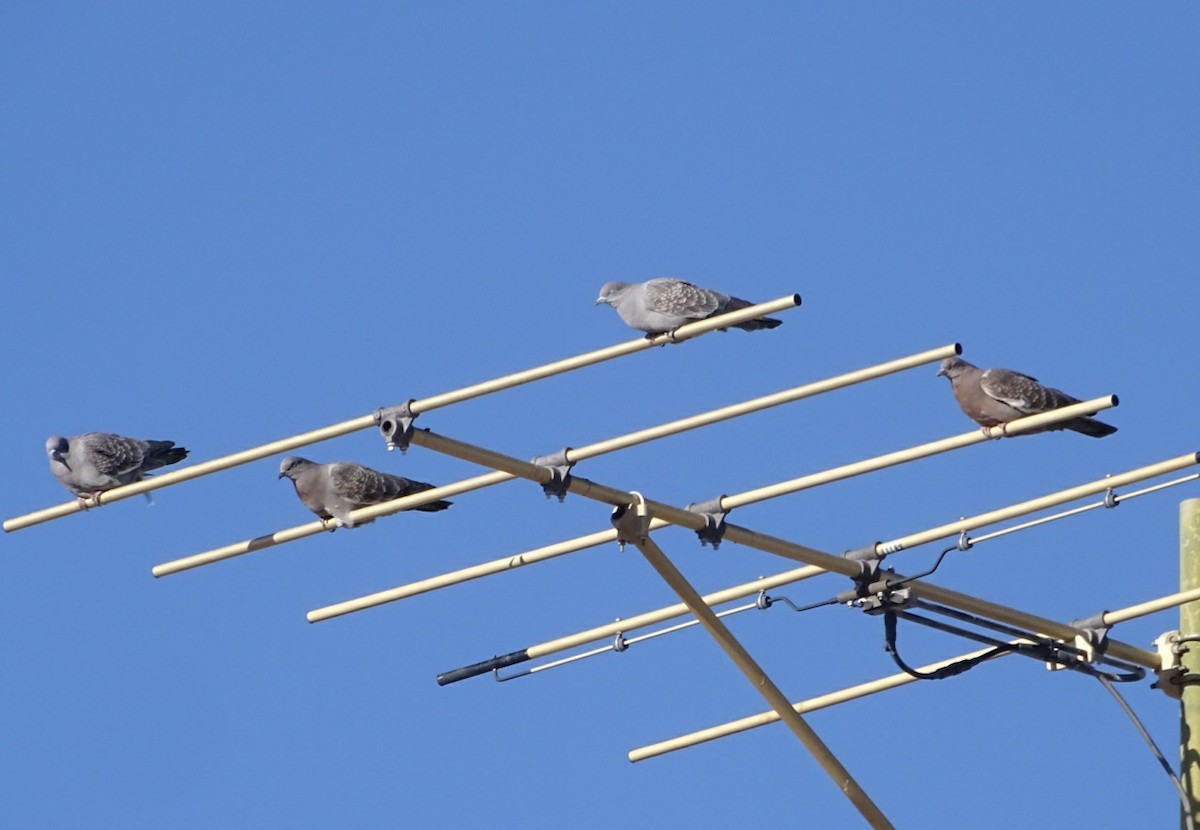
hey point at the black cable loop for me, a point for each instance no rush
(951, 670)
(1049, 653)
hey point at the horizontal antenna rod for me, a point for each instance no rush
(572, 456)
(684, 332)
(1033, 505)
(845, 471)
(804, 707)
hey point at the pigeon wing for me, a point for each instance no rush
(1021, 392)
(360, 485)
(113, 455)
(682, 299)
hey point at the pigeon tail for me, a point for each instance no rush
(736, 303)
(434, 506)
(162, 453)
(1090, 426)
(430, 507)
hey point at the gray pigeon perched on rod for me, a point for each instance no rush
(93, 462)
(664, 304)
(333, 490)
(991, 397)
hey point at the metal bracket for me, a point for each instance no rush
(714, 521)
(884, 601)
(1091, 642)
(870, 553)
(1173, 676)
(560, 467)
(1111, 499)
(872, 591)
(632, 521)
(396, 425)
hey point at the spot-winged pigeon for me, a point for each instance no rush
(990, 397)
(664, 304)
(333, 490)
(93, 462)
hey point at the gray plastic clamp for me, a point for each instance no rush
(396, 425)
(714, 521)
(560, 468)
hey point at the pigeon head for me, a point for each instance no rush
(952, 367)
(611, 292)
(291, 466)
(56, 448)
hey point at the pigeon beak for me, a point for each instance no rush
(941, 373)
(281, 475)
(600, 301)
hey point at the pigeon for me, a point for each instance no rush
(333, 490)
(991, 397)
(664, 304)
(93, 462)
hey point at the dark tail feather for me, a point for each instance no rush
(736, 303)
(162, 453)
(1090, 426)
(760, 323)
(434, 506)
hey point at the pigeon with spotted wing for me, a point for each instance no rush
(333, 490)
(991, 397)
(93, 462)
(664, 304)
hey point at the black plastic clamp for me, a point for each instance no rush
(560, 468)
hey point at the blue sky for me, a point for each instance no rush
(223, 224)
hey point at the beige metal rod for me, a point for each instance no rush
(812, 704)
(1143, 609)
(626, 624)
(684, 332)
(573, 455)
(762, 682)
(1042, 503)
(445, 580)
(541, 554)
(879, 462)
(303, 531)
(791, 550)
(808, 390)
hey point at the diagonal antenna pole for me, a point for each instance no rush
(761, 682)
